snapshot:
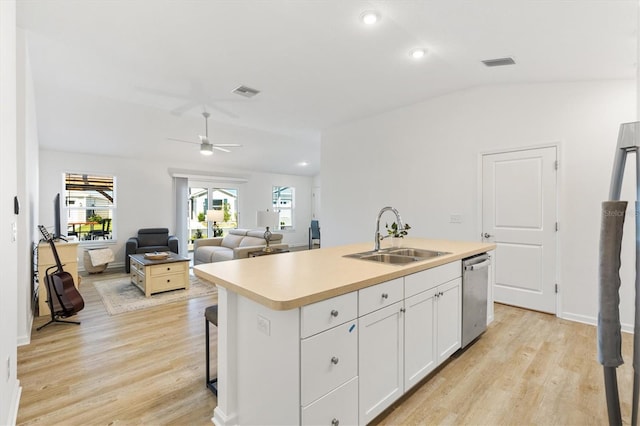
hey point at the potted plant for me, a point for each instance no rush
(396, 233)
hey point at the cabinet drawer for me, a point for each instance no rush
(340, 405)
(328, 360)
(167, 282)
(168, 268)
(424, 280)
(379, 296)
(329, 313)
(136, 277)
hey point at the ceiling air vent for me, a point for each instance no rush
(499, 62)
(245, 91)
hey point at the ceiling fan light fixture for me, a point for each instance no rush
(370, 17)
(206, 149)
(418, 52)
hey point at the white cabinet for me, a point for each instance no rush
(401, 343)
(432, 326)
(337, 408)
(329, 361)
(329, 313)
(420, 337)
(449, 317)
(379, 296)
(380, 360)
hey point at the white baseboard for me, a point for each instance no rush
(26, 339)
(584, 319)
(12, 415)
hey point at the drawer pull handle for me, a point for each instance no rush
(334, 313)
(335, 422)
(334, 360)
(385, 296)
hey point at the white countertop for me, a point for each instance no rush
(291, 280)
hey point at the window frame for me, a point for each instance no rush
(280, 206)
(69, 208)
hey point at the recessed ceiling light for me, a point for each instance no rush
(303, 164)
(370, 17)
(418, 53)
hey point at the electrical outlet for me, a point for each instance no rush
(455, 218)
(264, 325)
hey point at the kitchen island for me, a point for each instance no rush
(313, 337)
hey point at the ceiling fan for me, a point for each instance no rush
(206, 147)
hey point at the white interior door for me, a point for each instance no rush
(519, 215)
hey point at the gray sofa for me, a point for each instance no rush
(237, 244)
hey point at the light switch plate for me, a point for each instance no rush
(455, 218)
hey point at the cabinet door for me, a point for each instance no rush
(381, 359)
(449, 314)
(419, 337)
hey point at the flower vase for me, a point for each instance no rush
(396, 242)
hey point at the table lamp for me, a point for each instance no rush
(215, 216)
(267, 219)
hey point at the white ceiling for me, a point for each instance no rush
(118, 77)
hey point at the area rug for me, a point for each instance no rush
(119, 295)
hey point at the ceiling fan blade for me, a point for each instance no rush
(223, 111)
(220, 149)
(227, 144)
(183, 140)
(184, 108)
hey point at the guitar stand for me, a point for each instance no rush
(55, 316)
(55, 319)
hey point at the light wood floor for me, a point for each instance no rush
(147, 367)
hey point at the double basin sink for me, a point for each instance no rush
(397, 256)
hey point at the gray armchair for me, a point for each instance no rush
(148, 241)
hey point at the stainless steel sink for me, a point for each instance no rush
(398, 256)
(425, 254)
(389, 258)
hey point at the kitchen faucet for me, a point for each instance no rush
(378, 237)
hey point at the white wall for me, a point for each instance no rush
(9, 384)
(145, 194)
(423, 160)
(27, 156)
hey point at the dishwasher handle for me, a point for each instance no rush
(483, 264)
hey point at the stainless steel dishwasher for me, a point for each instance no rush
(475, 280)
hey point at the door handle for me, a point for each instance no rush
(487, 235)
(477, 266)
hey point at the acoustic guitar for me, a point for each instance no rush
(63, 298)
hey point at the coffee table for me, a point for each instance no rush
(267, 253)
(155, 276)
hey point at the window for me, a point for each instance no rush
(203, 198)
(90, 206)
(284, 203)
